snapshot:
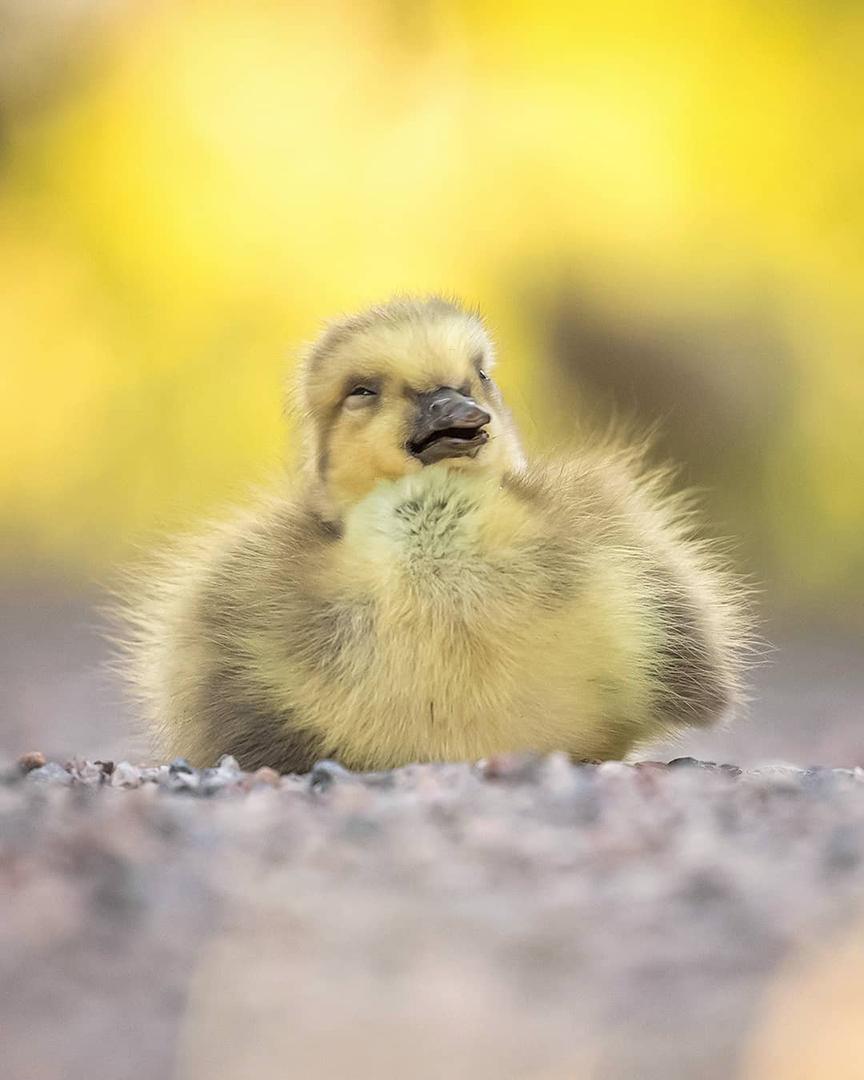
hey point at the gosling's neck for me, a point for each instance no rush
(440, 525)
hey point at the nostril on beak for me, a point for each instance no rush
(470, 414)
(479, 416)
(458, 410)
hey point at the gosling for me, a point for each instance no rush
(417, 591)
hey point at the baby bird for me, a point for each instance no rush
(418, 591)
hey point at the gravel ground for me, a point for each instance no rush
(525, 919)
(521, 918)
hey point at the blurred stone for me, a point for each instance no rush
(730, 770)
(383, 779)
(558, 774)
(35, 759)
(156, 774)
(52, 773)
(324, 774)
(125, 776)
(614, 769)
(89, 773)
(520, 768)
(227, 774)
(180, 765)
(266, 775)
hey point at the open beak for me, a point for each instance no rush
(448, 424)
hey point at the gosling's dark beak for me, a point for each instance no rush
(448, 424)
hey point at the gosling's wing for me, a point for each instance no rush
(669, 590)
(203, 641)
(701, 607)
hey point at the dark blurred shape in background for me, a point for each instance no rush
(656, 207)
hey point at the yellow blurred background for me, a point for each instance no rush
(658, 206)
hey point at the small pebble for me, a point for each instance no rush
(179, 765)
(125, 775)
(613, 769)
(325, 774)
(779, 776)
(383, 780)
(52, 773)
(228, 764)
(558, 774)
(181, 777)
(35, 759)
(512, 767)
(89, 773)
(154, 774)
(227, 774)
(266, 775)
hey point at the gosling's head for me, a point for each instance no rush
(397, 389)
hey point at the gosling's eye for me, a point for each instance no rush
(483, 376)
(362, 391)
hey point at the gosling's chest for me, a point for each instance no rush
(446, 615)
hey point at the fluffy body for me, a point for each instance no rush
(381, 612)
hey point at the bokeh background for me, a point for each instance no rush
(657, 205)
